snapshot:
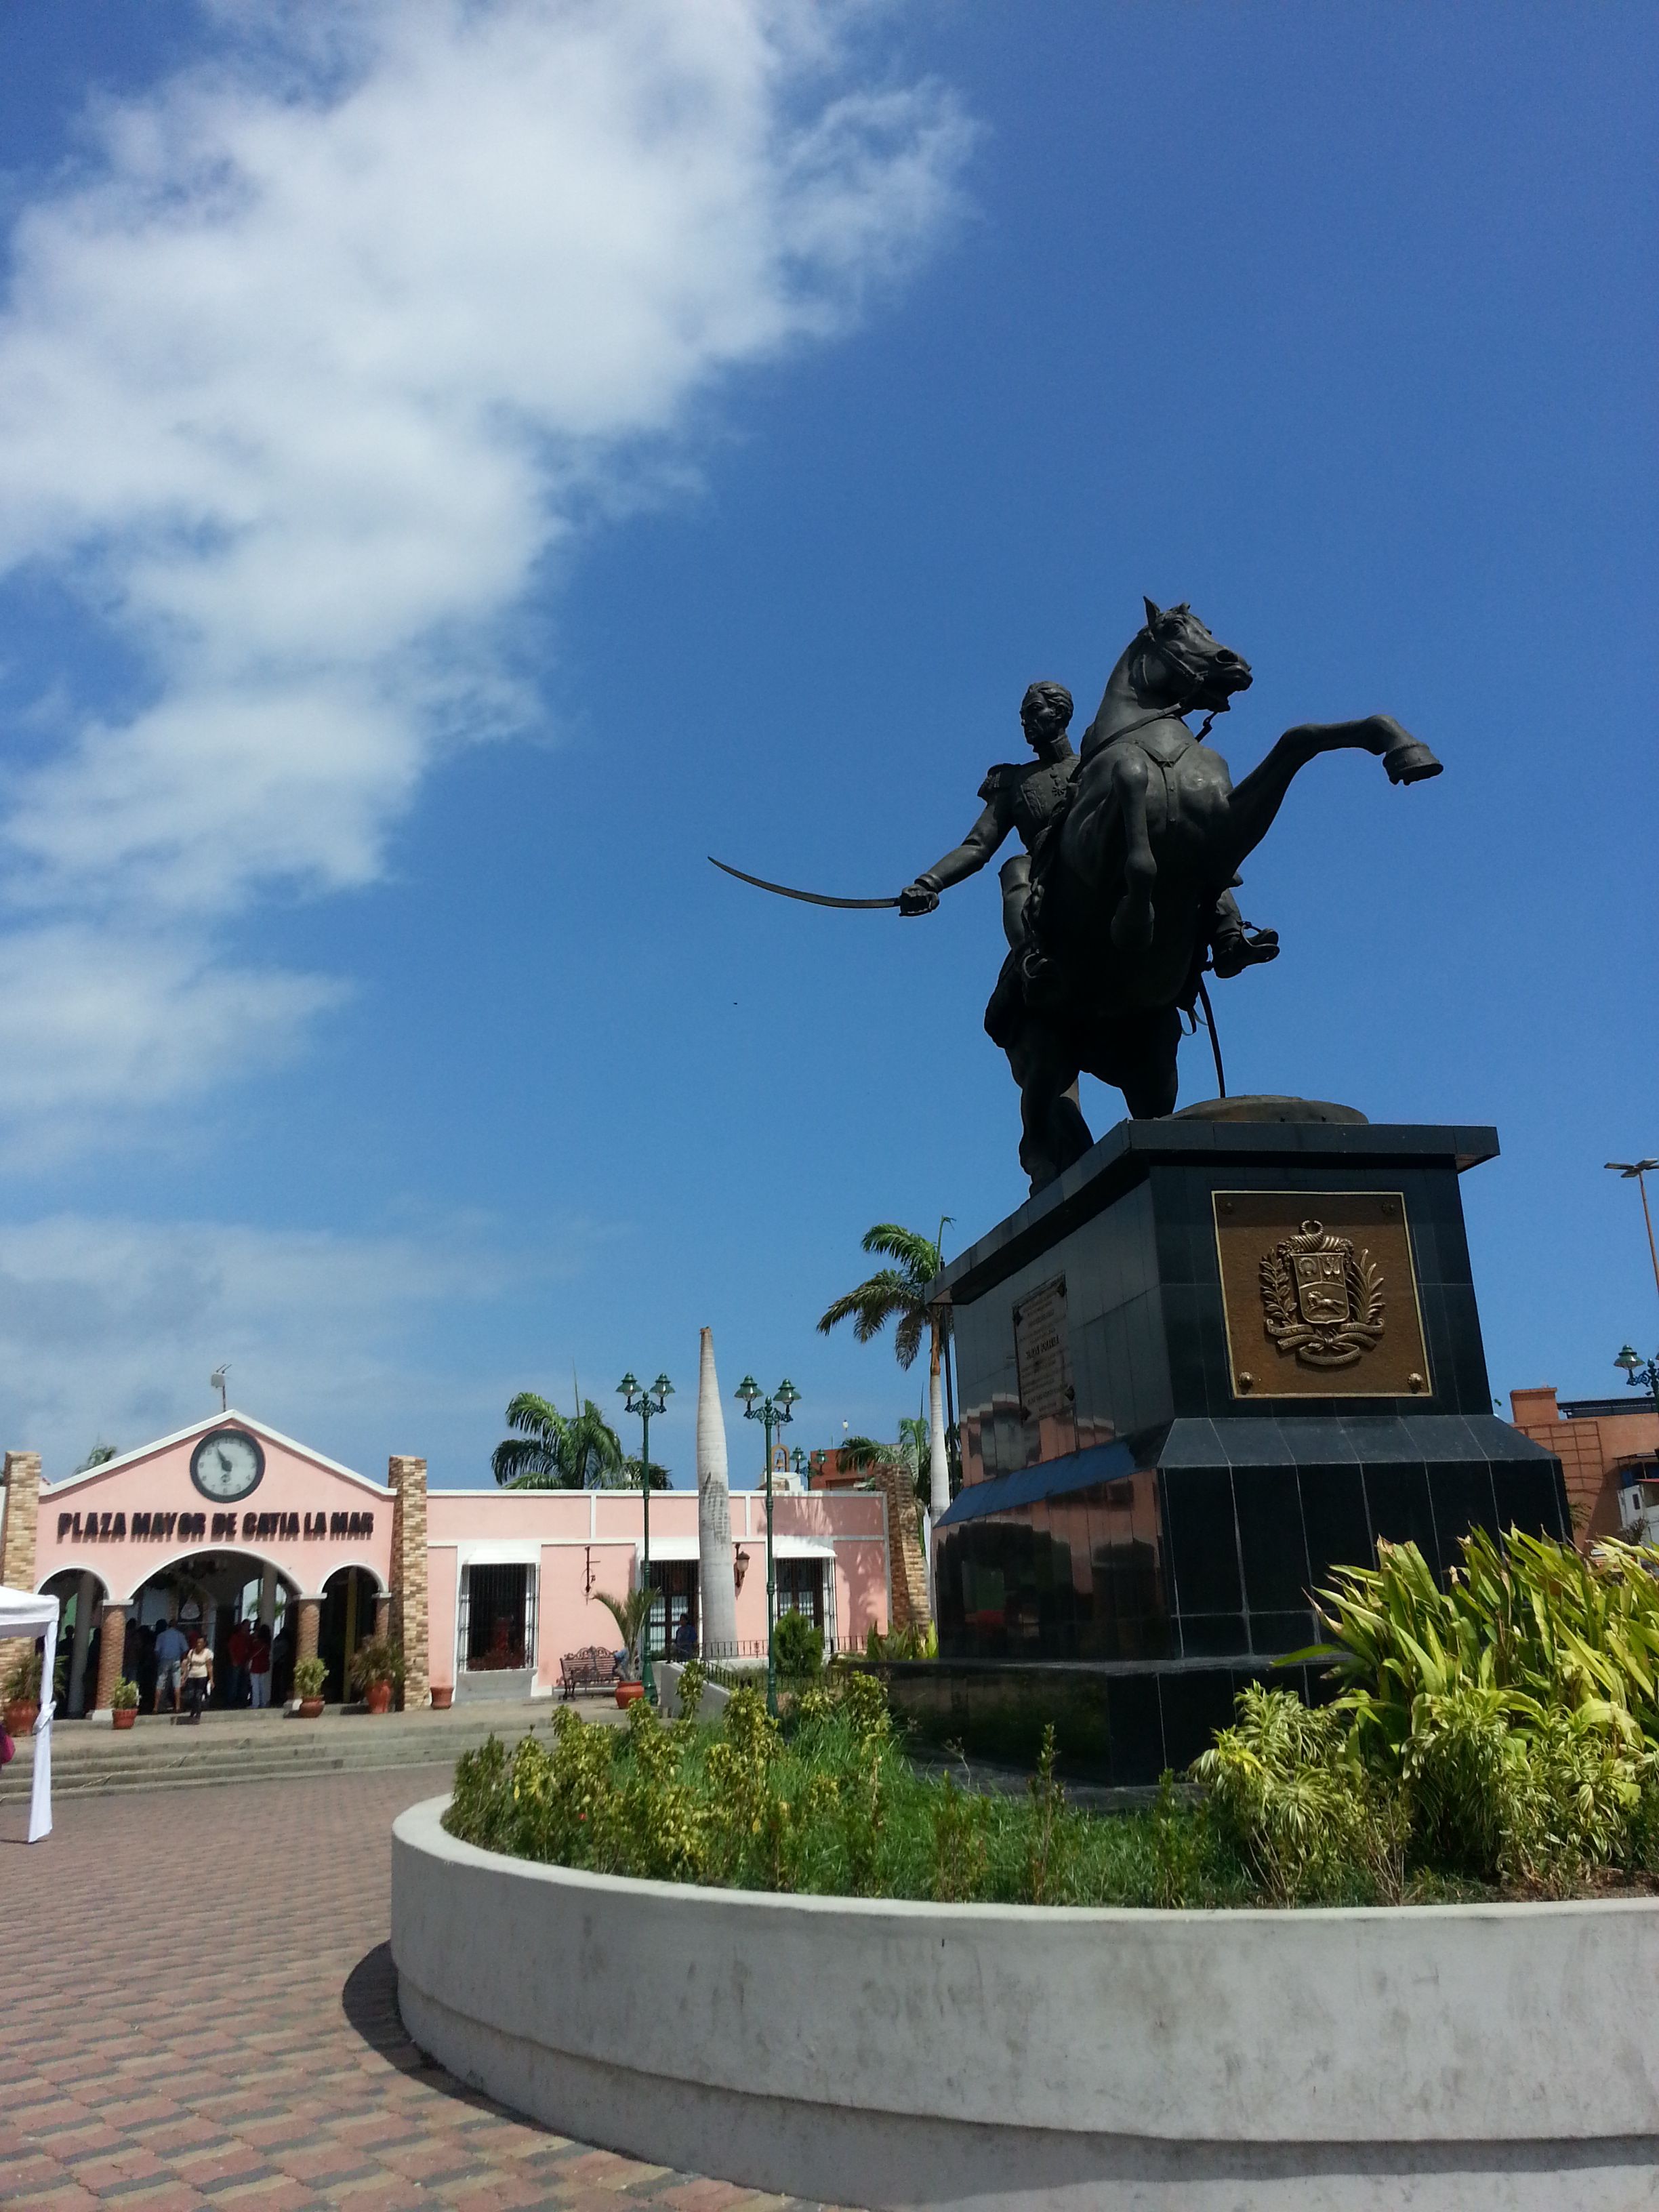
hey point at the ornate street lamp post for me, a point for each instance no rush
(645, 1403)
(1637, 1171)
(1640, 1373)
(775, 1412)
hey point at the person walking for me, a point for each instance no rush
(170, 1649)
(240, 1653)
(259, 1668)
(196, 1673)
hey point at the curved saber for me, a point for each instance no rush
(812, 898)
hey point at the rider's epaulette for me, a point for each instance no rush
(1003, 777)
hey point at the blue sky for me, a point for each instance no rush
(457, 472)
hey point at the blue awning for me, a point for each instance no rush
(1050, 1478)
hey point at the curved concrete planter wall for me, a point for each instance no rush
(880, 2054)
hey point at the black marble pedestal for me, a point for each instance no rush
(1153, 1481)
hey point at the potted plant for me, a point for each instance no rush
(309, 1677)
(22, 1698)
(443, 1696)
(630, 1614)
(124, 1704)
(377, 1668)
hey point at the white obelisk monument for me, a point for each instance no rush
(716, 1581)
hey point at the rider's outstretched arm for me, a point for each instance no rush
(964, 860)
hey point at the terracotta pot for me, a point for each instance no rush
(21, 1717)
(630, 1694)
(125, 1715)
(442, 1699)
(311, 1708)
(378, 1697)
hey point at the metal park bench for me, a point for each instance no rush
(592, 1669)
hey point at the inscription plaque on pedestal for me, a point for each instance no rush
(1043, 1354)
(1320, 1295)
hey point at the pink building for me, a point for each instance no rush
(229, 1521)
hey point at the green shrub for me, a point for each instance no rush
(797, 1646)
(1496, 1729)
(912, 1642)
(1497, 1732)
(1290, 1794)
(829, 1806)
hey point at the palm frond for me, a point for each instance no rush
(532, 1415)
(907, 1342)
(627, 1476)
(869, 1307)
(526, 1463)
(917, 1255)
(862, 1452)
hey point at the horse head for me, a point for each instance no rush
(1174, 658)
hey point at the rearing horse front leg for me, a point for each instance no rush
(1253, 803)
(1132, 924)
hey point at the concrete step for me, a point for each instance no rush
(93, 1761)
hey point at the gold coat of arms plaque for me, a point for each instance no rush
(1320, 1295)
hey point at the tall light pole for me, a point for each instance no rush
(1640, 1373)
(1637, 1171)
(645, 1403)
(775, 1412)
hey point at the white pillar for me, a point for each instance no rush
(716, 1578)
(86, 1600)
(938, 1467)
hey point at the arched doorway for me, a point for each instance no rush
(216, 1592)
(81, 1596)
(351, 1598)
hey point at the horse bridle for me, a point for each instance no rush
(1198, 678)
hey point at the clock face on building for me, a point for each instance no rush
(228, 1464)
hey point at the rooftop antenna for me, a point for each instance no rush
(216, 1382)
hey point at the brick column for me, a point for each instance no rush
(18, 1532)
(909, 1568)
(111, 1636)
(382, 1616)
(409, 1608)
(308, 1614)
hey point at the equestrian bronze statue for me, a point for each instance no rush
(1122, 898)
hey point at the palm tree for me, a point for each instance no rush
(557, 1451)
(899, 1293)
(913, 1452)
(630, 1614)
(628, 1478)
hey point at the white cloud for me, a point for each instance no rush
(109, 1327)
(318, 353)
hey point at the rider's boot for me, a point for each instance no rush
(1235, 944)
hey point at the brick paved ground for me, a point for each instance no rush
(198, 2007)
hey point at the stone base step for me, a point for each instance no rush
(157, 1756)
(65, 1786)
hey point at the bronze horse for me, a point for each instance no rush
(1126, 884)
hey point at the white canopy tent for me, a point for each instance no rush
(24, 1613)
